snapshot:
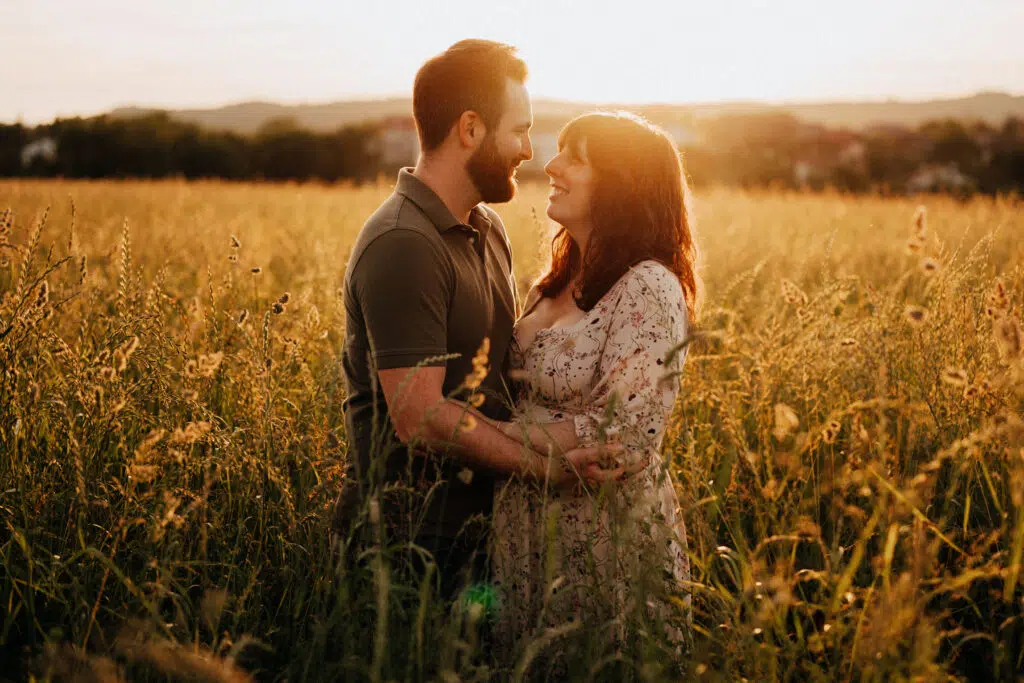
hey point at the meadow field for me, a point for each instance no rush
(848, 445)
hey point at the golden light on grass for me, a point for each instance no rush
(218, 474)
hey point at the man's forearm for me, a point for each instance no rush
(553, 437)
(456, 428)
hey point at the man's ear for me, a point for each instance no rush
(471, 129)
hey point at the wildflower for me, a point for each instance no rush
(915, 315)
(278, 308)
(191, 368)
(479, 372)
(208, 364)
(954, 376)
(467, 422)
(786, 421)
(929, 266)
(997, 298)
(284, 298)
(831, 431)
(793, 294)
(477, 400)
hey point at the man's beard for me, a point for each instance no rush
(491, 174)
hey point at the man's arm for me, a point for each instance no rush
(420, 412)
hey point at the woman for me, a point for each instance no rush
(597, 353)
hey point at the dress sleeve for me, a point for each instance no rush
(638, 369)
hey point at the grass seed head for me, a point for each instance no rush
(921, 224)
(915, 315)
(786, 421)
(792, 294)
(954, 376)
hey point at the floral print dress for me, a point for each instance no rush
(561, 555)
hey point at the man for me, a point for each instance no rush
(429, 284)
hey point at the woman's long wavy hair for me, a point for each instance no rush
(639, 209)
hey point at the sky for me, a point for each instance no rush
(83, 57)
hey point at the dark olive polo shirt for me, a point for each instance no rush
(422, 284)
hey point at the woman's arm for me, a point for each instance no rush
(637, 373)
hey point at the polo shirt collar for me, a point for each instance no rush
(419, 193)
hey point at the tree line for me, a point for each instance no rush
(157, 146)
(751, 150)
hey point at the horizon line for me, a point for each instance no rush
(367, 99)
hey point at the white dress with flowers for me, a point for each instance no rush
(560, 556)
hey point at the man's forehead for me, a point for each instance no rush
(517, 103)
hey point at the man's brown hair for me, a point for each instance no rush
(468, 76)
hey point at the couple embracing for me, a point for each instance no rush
(518, 443)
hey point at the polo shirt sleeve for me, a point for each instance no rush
(403, 286)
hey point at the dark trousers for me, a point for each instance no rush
(461, 563)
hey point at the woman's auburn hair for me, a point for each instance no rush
(639, 209)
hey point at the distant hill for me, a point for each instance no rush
(248, 117)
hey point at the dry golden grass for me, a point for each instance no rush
(849, 444)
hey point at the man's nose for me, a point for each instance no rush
(527, 149)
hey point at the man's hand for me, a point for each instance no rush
(596, 465)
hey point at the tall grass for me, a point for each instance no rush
(849, 444)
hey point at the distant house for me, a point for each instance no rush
(853, 154)
(940, 178)
(399, 145)
(805, 172)
(43, 149)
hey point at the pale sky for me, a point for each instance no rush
(69, 57)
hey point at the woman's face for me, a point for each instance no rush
(572, 182)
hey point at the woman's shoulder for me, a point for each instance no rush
(652, 278)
